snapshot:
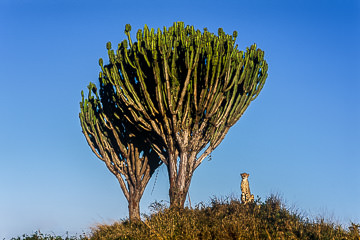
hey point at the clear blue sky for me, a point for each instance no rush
(300, 138)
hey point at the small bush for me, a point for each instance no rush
(40, 236)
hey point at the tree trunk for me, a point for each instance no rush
(177, 198)
(134, 209)
(178, 191)
(180, 179)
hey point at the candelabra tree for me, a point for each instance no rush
(186, 88)
(118, 144)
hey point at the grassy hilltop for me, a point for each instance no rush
(221, 219)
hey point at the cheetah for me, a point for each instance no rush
(246, 195)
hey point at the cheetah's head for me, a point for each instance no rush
(244, 175)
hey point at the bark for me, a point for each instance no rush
(180, 181)
(134, 209)
(136, 191)
(178, 194)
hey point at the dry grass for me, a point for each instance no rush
(225, 219)
(221, 219)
